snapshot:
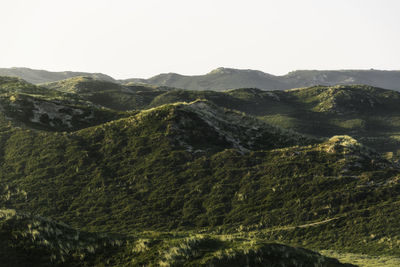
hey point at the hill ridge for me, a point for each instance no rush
(223, 78)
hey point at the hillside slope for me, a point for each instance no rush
(27, 105)
(367, 113)
(191, 166)
(28, 240)
(216, 170)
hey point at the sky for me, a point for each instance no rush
(142, 38)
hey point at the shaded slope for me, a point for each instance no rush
(28, 240)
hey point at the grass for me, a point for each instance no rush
(207, 167)
(363, 260)
(38, 241)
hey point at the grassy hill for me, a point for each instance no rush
(28, 240)
(369, 114)
(185, 166)
(108, 94)
(26, 105)
(187, 177)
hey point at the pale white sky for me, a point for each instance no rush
(141, 38)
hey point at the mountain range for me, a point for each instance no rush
(101, 173)
(222, 79)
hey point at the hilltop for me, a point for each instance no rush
(221, 79)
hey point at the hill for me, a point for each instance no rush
(27, 105)
(369, 114)
(28, 240)
(218, 80)
(222, 79)
(43, 76)
(376, 78)
(108, 94)
(191, 166)
(226, 78)
(196, 176)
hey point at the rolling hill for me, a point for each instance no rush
(226, 78)
(108, 94)
(369, 114)
(196, 177)
(222, 79)
(44, 76)
(24, 104)
(29, 240)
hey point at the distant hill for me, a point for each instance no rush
(218, 80)
(225, 78)
(44, 76)
(222, 79)
(377, 78)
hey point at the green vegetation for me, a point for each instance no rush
(363, 260)
(108, 94)
(28, 240)
(197, 178)
(369, 114)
